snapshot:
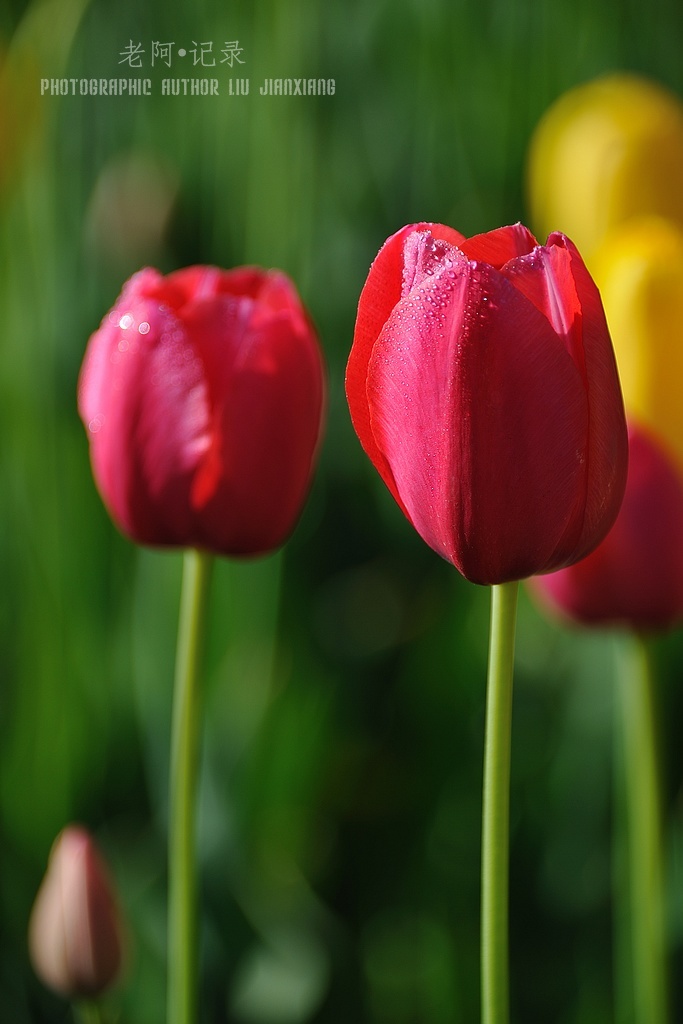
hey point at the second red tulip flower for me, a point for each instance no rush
(203, 395)
(483, 386)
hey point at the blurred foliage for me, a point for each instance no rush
(340, 809)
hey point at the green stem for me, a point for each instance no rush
(88, 1013)
(182, 866)
(644, 835)
(496, 810)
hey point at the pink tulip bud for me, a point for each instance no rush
(75, 936)
(483, 386)
(203, 394)
(634, 578)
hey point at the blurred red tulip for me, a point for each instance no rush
(483, 387)
(203, 396)
(634, 577)
(75, 936)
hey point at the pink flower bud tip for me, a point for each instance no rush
(75, 934)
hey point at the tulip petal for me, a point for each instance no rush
(635, 576)
(203, 282)
(545, 277)
(75, 931)
(605, 152)
(382, 291)
(265, 381)
(555, 279)
(143, 395)
(607, 460)
(639, 271)
(482, 417)
(500, 246)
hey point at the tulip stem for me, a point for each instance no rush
(88, 1013)
(496, 807)
(182, 867)
(644, 835)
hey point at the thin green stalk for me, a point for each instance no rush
(182, 866)
(88, 1013)
(621, 914)
(644, 835)
(496, 810)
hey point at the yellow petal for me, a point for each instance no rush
(606, 151)
(639, 271)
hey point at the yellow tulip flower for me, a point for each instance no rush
(639, 271)
(604, 152)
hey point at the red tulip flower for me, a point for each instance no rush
(75, 931)
(202, 393)
(634, 577)
(483, 387)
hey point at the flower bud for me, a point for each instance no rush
(483, 387)
(604, 152)
(203, 396)
(75, 934)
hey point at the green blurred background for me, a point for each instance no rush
(340, 806)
